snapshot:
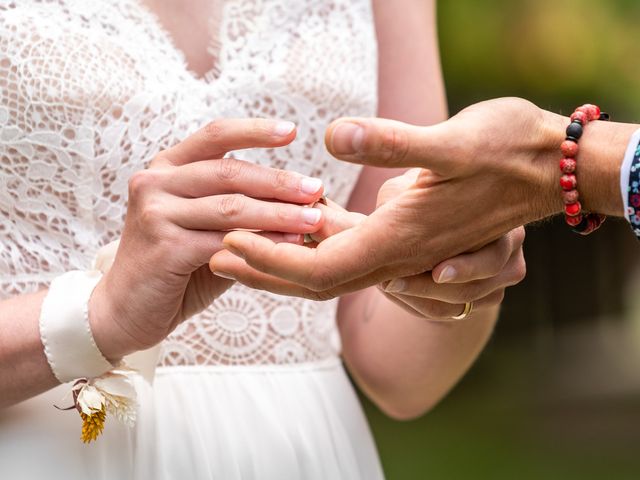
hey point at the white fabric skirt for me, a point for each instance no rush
(263, 422)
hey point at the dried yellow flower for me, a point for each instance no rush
(112, 393)
(92, 425)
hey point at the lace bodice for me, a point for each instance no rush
(90, 91)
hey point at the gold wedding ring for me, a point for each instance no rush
(468, 307)
(308, 238)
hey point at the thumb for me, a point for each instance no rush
(387, 143)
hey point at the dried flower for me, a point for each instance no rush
(111, 393)
(92, 425)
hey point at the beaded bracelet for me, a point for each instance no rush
(581, 222)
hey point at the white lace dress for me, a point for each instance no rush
(89, 92)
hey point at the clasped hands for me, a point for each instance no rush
(182, 208)
(475, 179)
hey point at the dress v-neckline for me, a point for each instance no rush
(213, 73)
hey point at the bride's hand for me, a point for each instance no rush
(480, 277)
(178, 212)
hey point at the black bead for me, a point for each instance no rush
(574, 130)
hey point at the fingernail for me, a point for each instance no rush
(310, 185)
(292, 238)
(233, 250)
(347, 138)
(225, 275)
(448, 274)
(282, 129)
(396, 286)
(311, 215)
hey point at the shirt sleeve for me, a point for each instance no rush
(630, 182)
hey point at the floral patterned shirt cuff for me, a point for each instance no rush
(630, 182)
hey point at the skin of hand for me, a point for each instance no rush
(482, 173)
(480, 277)
(179, 210)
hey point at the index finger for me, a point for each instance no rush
(219, 137)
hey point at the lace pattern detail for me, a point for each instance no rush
(90, 91)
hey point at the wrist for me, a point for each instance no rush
(546, 199)
(111, 340)
(65, 330)
(602, 149)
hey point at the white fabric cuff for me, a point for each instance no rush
(65, 330)
(625, 170)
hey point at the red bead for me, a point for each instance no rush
(568, 182)
(584, 109)
(592, 227)
(593, 111)
(573, 221)
(573, 209)
(582, 117)
(598, 219)
(568, 165)
(570, 197)
(581, 223)
(594, 222)
(569, 149)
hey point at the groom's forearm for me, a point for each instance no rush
(603, 148)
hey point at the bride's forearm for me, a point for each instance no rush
(404, 363)
(24, 371)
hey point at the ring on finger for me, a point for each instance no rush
(468, 307)
(308, 238)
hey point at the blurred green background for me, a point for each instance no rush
(556, 395)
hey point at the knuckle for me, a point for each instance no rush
(228, 169)
(214, 131)
(150, 222)
(162, 158)
(519, 235)
(143, 181)
(280, 180)
(520, 271)
(495, 267)
(282, 214)
(395, 145)
(230, 206)
(151, 213)
(502, 252)
(259, 128)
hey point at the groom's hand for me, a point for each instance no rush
(484, 172)
(479, 277)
